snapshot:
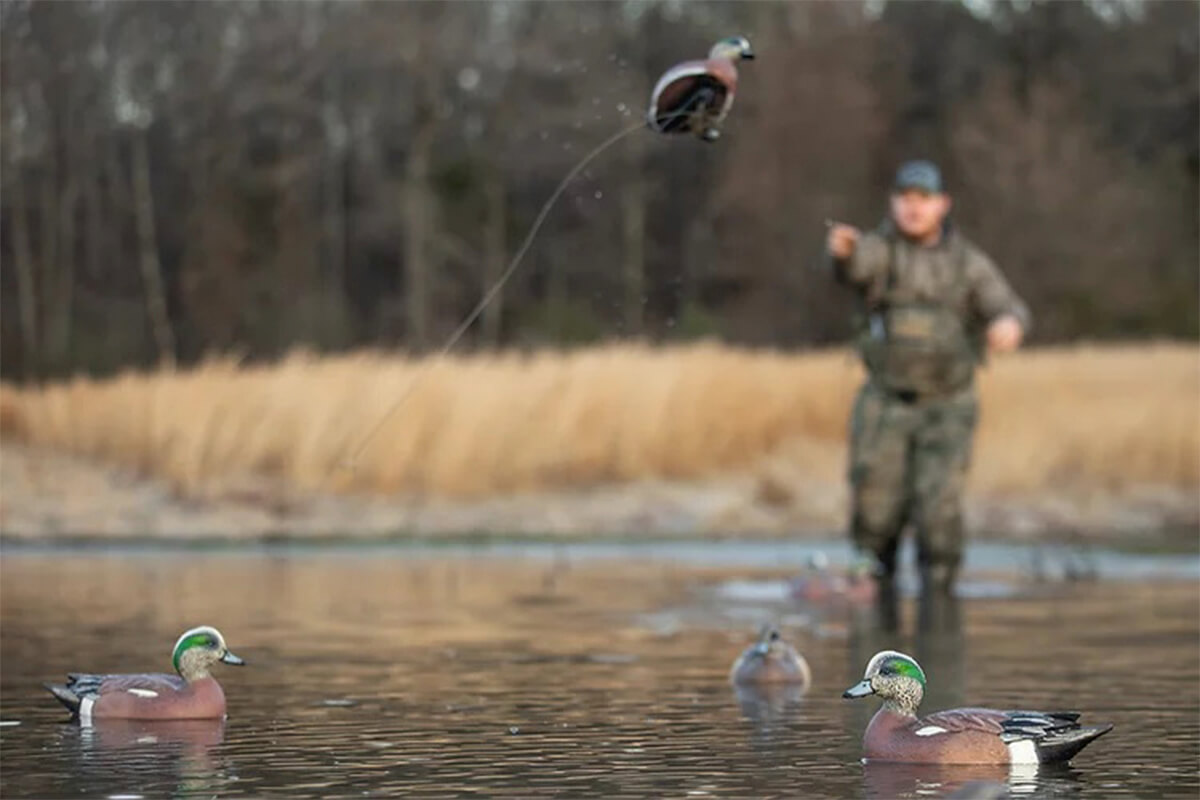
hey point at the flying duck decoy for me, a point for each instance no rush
(959, 735)
(193, 694)
(695, 96)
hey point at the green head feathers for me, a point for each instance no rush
(204, 636)
(900, 665)
(891, 664)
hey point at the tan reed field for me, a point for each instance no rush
(1088, 417)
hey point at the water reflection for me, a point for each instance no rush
(767, 706)
(176, 756)
(104, 736)
(888, 781)
(384, 675)
(941, 649)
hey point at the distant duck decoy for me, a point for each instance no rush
(193, 694)
(770, 661)
(820, 584)
(695, 96)
(960, 735)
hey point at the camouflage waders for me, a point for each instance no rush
(908, 464)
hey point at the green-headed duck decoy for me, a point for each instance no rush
(770, 661)
(695, 96)
(193, 694)
(960, 735)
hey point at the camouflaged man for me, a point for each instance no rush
(932, 305)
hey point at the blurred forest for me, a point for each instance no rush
(180, 178)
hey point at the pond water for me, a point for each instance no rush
(583, 671)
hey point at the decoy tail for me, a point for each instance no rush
(1061, 746)
(65, 696)
(1056, 735)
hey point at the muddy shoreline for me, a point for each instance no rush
(55, 498)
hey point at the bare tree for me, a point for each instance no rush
(24, 265)
(255, 175)
(156, 295)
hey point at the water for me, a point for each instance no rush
(590, 670)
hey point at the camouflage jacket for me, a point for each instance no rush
(925, 309)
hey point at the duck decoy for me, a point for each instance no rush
(821, 584)
(695, 96)
(960, 735)
(192, 694)
(770, 660)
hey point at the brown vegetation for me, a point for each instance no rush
(1093, 418)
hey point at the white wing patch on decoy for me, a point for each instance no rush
(1023, 752)
(930, 730)
(142, 692)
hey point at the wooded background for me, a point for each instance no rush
(180, 178)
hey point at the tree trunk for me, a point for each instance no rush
(60, 299)
(418, 222)
(333, 184)
(633, 245)
(26, 287)
(495, 257)
(48, 240)
(335, 219)
(156, 296)
(96, 244)
(632, 205)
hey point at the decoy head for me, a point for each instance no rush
(768, 639)
(198, 649)
(770, 660)
(898, 679)
(734, 48)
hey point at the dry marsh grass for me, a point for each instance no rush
(1103, 418)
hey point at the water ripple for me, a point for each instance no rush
(460, 686)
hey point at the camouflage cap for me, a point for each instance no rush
(921, 175)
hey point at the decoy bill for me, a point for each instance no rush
(695, 96)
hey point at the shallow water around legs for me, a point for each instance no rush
(539, 671)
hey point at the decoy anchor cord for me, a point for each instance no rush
(351, 463)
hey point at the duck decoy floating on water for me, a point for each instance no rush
(821, 584)
(192, 694)
(770, 661)
(959, 735)
(695, 96)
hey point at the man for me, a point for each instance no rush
(932, 305)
